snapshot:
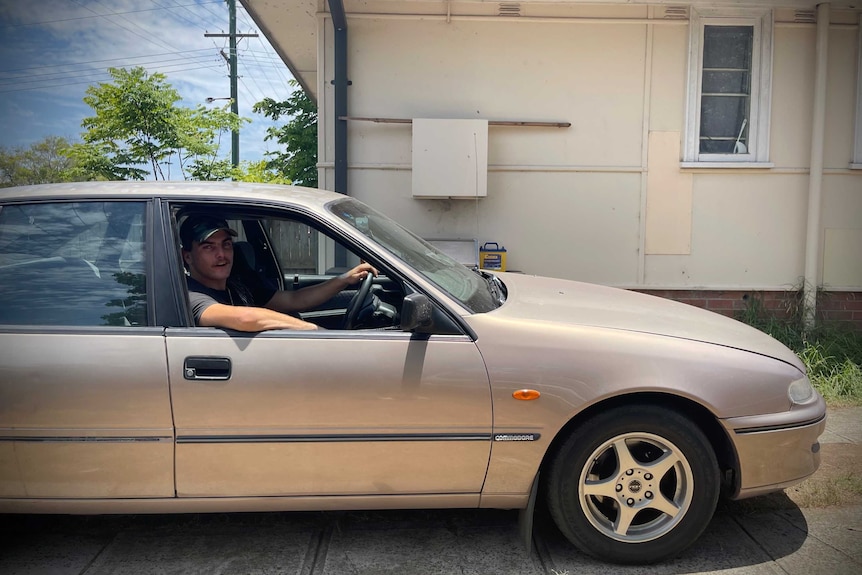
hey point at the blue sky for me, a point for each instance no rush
(52, 50)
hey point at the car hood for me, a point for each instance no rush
(532, 298)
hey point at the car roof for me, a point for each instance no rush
(186, 190)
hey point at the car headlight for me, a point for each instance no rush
(800, 390)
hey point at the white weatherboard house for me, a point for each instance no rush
(703, 150)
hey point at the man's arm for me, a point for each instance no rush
(311, 296)
(243, 318)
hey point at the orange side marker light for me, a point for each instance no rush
(526, 394)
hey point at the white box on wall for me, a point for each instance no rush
(450, 158)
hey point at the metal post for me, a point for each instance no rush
(232, 64)
(339, 24)
(234, 101)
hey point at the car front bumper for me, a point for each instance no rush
(774, 453)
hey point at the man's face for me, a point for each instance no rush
(211, 260)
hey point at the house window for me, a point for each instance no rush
(730, 69)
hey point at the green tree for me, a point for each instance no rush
(44, 162)
(299, 136)
(103, 161)
(258, 172)
(201, 133)
(138, 123)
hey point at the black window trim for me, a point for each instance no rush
(266, 209)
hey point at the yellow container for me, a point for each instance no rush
(492, 257)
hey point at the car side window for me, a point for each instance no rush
(73, 263)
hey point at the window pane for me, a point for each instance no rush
(719, 115)
(726, 82)
(727, 47)
(726, 89)
(73, 264)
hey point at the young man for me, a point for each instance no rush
(221, 301)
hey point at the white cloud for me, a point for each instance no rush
(51, 50)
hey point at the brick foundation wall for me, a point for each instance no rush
(840, 306)
(832, 307)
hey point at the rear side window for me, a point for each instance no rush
(78, 264)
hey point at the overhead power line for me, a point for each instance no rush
(108, 16)
(74, 18)
(176, 9)
(28, 72)
(89, 80)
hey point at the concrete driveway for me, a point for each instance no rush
(786, 541)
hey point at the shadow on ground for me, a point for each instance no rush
(740, 536)
(402, 542)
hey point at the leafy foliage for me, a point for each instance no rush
(299, 136)
(201, 134)
(257, 172)
(838, 380)
(103, 161)
(138, 129)
(832, 353)
(44, 162)
(138, 124)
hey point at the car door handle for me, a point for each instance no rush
(208, 368)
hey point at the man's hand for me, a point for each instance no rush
(358, 273)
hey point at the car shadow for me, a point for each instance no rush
(741, 534)
(405, 542)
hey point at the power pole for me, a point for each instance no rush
(231, 60)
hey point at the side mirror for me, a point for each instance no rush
(416, 312)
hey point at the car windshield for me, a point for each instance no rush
(478, 291)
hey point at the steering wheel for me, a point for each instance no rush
(357, 303)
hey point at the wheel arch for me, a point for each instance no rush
(699, 415)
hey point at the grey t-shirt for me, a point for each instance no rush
(237, 293)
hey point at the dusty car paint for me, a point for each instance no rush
(119, 419)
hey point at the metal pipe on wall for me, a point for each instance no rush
(815, 177)
(339, 24)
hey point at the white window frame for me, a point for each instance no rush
(857, 147)
(761, 87)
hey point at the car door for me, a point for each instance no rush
(84, 401)
(334, 413)
(365, 412)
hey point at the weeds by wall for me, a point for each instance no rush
(832, 351)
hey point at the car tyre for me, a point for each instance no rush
(635, 484)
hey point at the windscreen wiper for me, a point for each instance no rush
(496, 287)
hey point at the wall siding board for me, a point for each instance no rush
(567, 202)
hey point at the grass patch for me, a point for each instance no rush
(843, 489)
(837, 483)
(838, 491)
(832, 353)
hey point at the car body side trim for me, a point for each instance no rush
(767, 428)
(334, 438)
(123, 331)
(244, 504)
(374, 335)
(84, 439)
